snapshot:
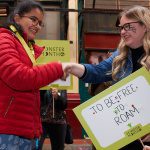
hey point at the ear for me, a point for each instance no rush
(17, 18)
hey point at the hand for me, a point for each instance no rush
(54, 92)
(146, 138)
(67, 69)
(74, 69)
(146, 147)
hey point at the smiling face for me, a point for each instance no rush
(132, 32)
(30, 22)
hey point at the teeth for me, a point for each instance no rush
(33, 30)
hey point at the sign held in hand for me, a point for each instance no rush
(120, 114)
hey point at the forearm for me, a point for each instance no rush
(77, 69)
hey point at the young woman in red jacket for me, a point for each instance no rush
(21, 78)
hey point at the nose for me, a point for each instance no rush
(122, 31)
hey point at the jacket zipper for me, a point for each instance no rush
(11, 100)
(35, 110)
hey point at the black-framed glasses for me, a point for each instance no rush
(127, 26)
(35, 20)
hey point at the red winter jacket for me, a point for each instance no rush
(19, 87)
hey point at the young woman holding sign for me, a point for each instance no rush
(132, 53)
(21, 78)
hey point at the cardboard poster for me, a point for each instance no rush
(59, 51)
(118, 115)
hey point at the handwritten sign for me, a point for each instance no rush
(120, 114)
(59, 51)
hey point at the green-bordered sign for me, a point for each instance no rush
(118, 115)
(55, 50)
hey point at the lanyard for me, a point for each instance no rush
(24, 44)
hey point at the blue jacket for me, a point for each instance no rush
(103, 71)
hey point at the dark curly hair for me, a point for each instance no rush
(21, 9)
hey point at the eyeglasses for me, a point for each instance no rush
(127, 26)
(35, 20)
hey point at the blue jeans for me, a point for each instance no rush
(12, 142)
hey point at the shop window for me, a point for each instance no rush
(51, 29)
(4, 11)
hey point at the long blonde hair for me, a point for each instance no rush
(141, 14)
